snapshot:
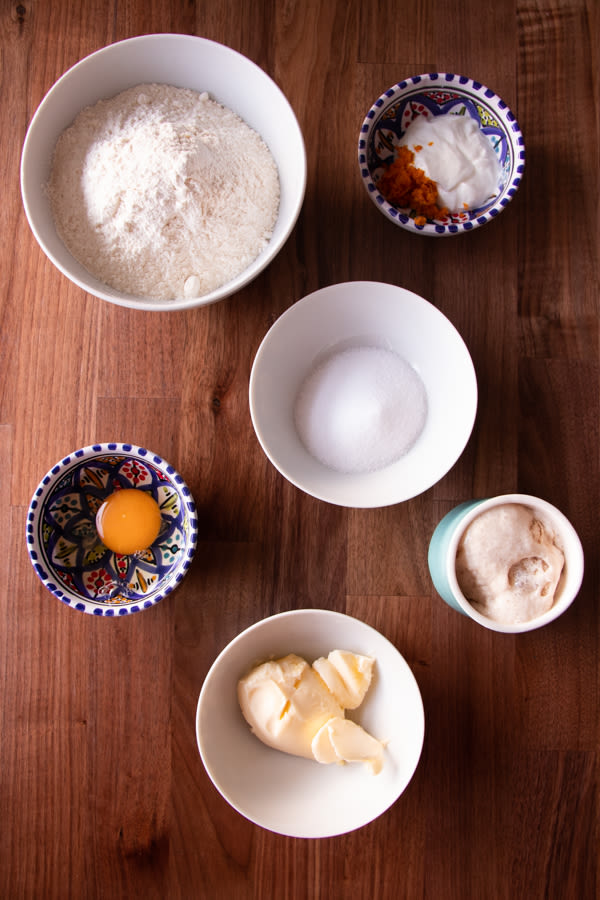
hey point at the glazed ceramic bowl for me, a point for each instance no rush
(292, 795)
(183, 61)
(431, 95)
(354, 315)
(444, 545)
(64, 547)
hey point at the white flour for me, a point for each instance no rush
(163, 193)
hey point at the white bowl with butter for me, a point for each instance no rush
(295, 795)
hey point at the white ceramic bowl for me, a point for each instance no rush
(364, 313)
(183, 61)
(444, 545)
(292, 795)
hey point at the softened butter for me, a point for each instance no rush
(299, 709)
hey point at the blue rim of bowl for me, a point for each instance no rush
(43, 567)
(478, 94)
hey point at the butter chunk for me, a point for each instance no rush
(341, 741)
(347, 675)
(299, 709)
(285, 702)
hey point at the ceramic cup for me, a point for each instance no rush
(444, 544)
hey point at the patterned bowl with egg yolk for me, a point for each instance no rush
(63, 543)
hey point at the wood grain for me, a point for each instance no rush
(102, 790)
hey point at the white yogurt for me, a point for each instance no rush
(455, 154)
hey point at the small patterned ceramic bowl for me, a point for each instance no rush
(432, 95)
(64, 547)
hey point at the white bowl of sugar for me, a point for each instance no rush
(163, 172)
(363, 394)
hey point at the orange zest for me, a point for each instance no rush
(403, 185)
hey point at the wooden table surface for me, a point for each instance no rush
(102, 790)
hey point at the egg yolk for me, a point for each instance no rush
(128, 521)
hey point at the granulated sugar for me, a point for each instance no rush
(361, 409)
(162, 193)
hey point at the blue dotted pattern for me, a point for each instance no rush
(40, 564)
(473, 91)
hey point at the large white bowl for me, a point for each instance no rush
(292, 795)
(184, 61)
(363, 313)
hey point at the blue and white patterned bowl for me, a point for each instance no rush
(64, 547)
(431, 95)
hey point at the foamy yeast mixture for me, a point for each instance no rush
(509, 563)
(161, 192)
